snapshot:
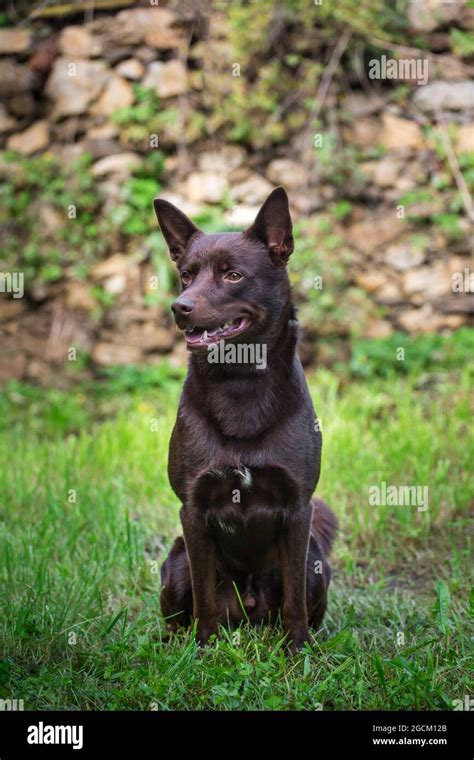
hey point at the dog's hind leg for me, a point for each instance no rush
(176, 594)
(323, 530)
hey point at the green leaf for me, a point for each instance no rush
(462, 43)
(442, 606)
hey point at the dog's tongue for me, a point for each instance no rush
(200, 335)
(196, 336)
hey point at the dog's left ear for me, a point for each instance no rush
(273, 226)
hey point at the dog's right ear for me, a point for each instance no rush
(176, 227)
(273, 226)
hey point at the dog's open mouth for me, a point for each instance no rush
(200, 336)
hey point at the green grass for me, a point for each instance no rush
(86, 515)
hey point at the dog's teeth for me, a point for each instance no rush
(204, 335)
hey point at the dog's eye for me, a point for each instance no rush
(233, 276)
(186, 277)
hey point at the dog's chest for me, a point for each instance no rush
(245, 508)
(233, 497)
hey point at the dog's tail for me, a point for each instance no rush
(324, 525)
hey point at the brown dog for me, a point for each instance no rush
(245, 451)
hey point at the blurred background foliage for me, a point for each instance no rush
(265, 80)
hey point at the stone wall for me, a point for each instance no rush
(400, 214)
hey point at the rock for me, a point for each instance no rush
(389, 294)
(466, 17)
(205, 187)
(403, 256)
(383, 173)
(30, 141)
(179, 356)
(111, 191)
(153, 26)
(72, 85)
(114, 53)
(465, 138)
(370, 281)
(103, 132)
(378, 329)
(14, 78)
(167, 79)
(460, 303)
(51, 219)
(241, 216)
(360, 104)
(283, 171)
(14, 41)
(306, 203)
(121, 316)
(78, 296)
(438, 96)
(40, 291)
(118, 93)
(425, 320)
(131, 68)
(12, 364)
(449, 68)
(121, 164)
(43, 57)
(422, 209)
(116, 285)
(164, 39)
(363, 133)
(375, 230)
(77, 42)
(22, 105)
(431, 281)
(12, 171)
(107, 354)
(66, 152)
(40, 371)
(10, 308)
(400, 133)
(7, 122)
(145, 54)
(116, 264)
(418, 320)
(419, 280)
(102, 148)
(254, 189)
(223, 161)
(426, 15)
(151, 337)
(187, 207)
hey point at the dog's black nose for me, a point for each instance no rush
(182, 305)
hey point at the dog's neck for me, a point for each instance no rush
(243, 400)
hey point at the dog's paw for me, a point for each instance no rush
(206, 634)
(297, 641)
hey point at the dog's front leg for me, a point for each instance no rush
(201, 553)
(293, 552)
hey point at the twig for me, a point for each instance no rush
(72, 8)
(454, 166)
(325, 83)
(413, 51)
(183, 98)
(326, 80)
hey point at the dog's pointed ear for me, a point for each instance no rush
(176, 227)
(273, 226)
